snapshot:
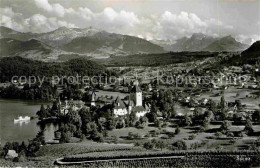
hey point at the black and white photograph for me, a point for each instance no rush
(130, 83)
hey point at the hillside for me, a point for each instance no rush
(120, 44)
(63, 35)
(253, 51)
(252, 54)
(227, 43)
(21, 66)
(9, 33)
(11, 47)
(196, 42)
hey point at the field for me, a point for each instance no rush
(203, 140)
(47, 154)
(169, 159)
(155, 59)
(232, 93)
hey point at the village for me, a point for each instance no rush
(147, 109)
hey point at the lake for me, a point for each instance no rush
(10, 109)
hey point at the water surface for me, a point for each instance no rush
(10, 109)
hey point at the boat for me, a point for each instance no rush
(21, 119)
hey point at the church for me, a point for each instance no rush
(134, 103)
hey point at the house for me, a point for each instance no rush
(11, 154)
(100, 101)
(120, 108)
(75, 105)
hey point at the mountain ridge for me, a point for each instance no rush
(202, 42)
(87, 42)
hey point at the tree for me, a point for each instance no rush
(98, 137)
(256, 115)
(258, 142)
(222, 104)
(22, 156)
(65, 137)
(86, 117)
(91, 129)
(120, 123)
(238, 103)
(8, 146)
(177, 130)
(180, 145)
(86, 97)
(158, 123)
(74, 118)
(54, 109)
(198, 112)
(22, 147)
(205, 123)
(144, 121)
(15, 146)
(160, 144)
(212, 106)
(148, 145)
(132, 119)
(42, 113)
(248, 127)
(187, 121)
(33, 147)
(153, 114)
(110, 124)
(138, 125)
(225, 126)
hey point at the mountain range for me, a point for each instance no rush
(72, 41)
(202, 42)
(65, 43)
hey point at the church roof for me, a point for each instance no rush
(138, 109)
(118, 103)
(136, 88)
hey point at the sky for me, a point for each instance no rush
(148, 19)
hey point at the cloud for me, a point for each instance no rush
(167, 25)
(40, 23)
(43, 4)
(36, 23)
(11, 19)
(55, 9)
(109, 19)
(117, 19)
(84, 17)
(7, 12)
(247, 39)
(173, 26)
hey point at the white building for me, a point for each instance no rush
(134, 104)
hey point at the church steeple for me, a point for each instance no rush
(136, 95)
(93, 97)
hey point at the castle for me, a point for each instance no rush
(133, 104)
